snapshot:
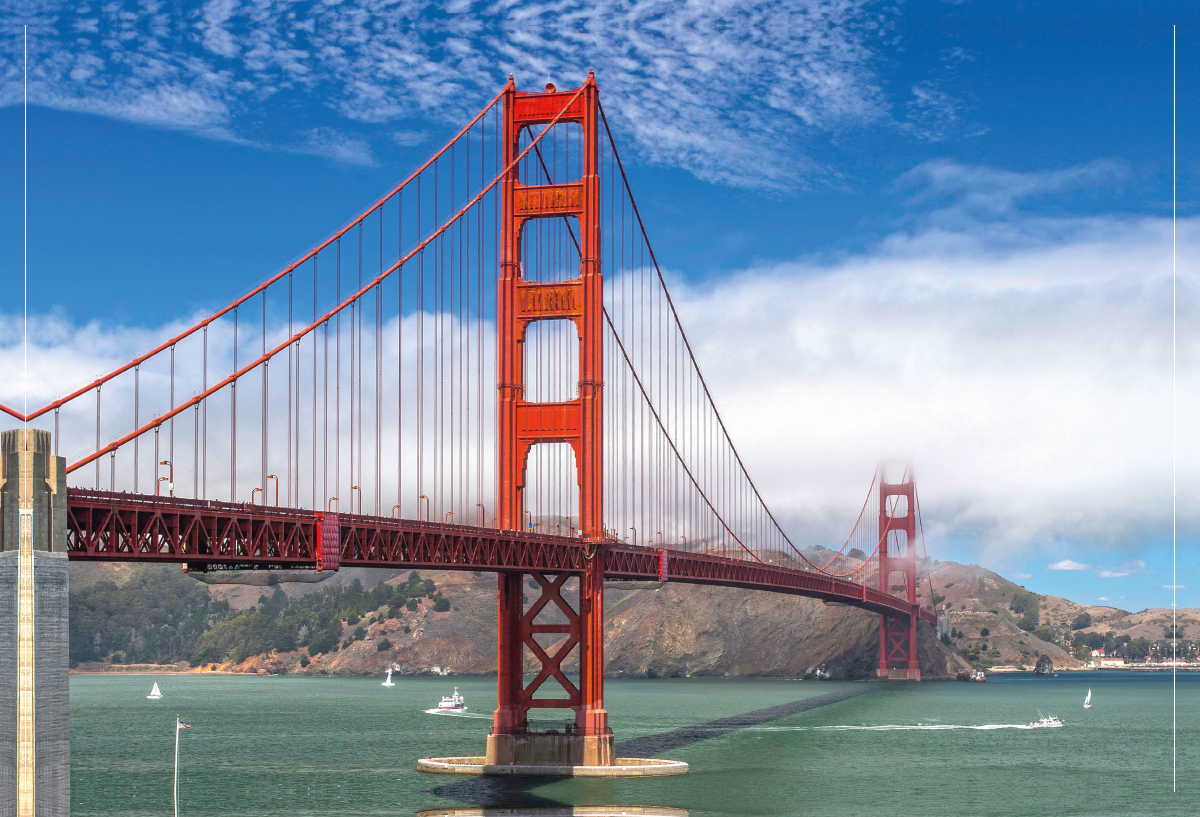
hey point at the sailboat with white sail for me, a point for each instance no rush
(1087, 702)
(388, 681)
(155, 693)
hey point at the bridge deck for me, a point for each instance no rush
(139, 528)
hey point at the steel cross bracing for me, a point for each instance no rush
(211, 535)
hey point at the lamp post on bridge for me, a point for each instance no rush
(169, 479)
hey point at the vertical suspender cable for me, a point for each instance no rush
(204, 423)
(233, 417)
(136, 401)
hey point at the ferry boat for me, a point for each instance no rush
(452, 703)
(1046, 722)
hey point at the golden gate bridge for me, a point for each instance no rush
(483, 371)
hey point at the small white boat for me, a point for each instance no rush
(1047, 722)
(452, 703)
(1087, 702)
(155, 693)
(388, 681)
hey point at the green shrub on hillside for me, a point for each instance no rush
(1045, 634)
(162, 615)
(155, 617)
(1025, 605)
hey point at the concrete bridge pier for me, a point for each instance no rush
(35, 754)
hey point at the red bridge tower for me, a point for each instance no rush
(898, 558)
(522, 425)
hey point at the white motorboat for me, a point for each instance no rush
(452, 703)
(1047, 722)
(387, 682)
(155, 693)
(1087, 702)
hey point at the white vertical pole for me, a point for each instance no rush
(176, 785)
(1174, 424)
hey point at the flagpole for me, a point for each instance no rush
(175, 787)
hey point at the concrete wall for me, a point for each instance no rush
(8, 683)
(28, 468)
(52, 685)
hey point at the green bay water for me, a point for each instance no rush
(349, 746)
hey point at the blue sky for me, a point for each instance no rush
(995, 179)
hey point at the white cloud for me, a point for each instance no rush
(978, 191)
(1021, 575)
(1136, 567)
(339, 146)
(217, 38)
(1022, 366)
(406, 139)
(734, 92)
(1067, 564)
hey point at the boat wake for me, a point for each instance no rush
(457, 714)
(894, 727)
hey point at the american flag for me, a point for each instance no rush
(180, 724)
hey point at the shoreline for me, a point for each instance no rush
(1015, 671)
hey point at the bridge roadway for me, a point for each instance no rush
(124, 527)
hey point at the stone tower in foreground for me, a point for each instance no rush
(35, 760)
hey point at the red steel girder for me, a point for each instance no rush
(103, 526)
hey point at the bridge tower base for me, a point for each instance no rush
(898, 649)
(35, 750)
(586, 740)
